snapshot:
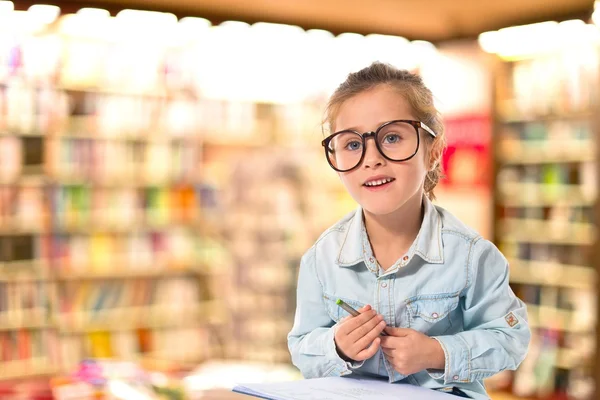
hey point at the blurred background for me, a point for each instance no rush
(161, 175)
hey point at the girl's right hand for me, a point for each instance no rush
(357, 338)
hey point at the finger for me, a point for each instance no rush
(355, 322)
(370, 336)
(398, 332)
(348, 317)
(367, 327)
(347, 324)
(369, 351)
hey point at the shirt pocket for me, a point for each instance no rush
(336, 312)
(431, 314)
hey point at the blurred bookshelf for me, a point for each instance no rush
(545, 142)
(93, 261)
(140, 219)
(101, 236)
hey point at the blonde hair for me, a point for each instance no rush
(413, 89)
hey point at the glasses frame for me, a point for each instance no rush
(373, 134)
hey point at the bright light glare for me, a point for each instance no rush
(88, 12)
(44, 13)
(542, 38)
(6, 7)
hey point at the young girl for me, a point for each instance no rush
(438, 289)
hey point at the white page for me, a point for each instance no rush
(342, 389)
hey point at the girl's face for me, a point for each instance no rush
(365, 112)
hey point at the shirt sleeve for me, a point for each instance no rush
(496, 331)
(311, 340)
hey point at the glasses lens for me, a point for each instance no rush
(345, 150)
(398, 141)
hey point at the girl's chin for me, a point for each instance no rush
(381, 209)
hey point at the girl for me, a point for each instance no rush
(438, 289)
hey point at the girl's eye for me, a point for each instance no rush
(391, 138)
(354, 145)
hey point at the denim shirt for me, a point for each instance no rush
(452, 285)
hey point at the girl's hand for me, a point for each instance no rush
(409, 351)
(357, 338)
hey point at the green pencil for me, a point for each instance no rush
(352, 311)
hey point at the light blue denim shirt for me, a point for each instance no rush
(451, 285)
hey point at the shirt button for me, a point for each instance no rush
(455, 377)
(383, 284)
(434, 315)
(371, 260)
(405, 258)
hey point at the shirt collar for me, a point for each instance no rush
(428, 244)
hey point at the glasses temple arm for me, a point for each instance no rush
(428, 129)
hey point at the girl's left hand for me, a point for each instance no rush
(409, 351)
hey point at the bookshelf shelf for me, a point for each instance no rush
(566, 116)
(116, 326)
(233, 143)
(23, 278)
(26, 369)
(544, 195)
(127, 139)
(29, 265)
(12, 227)
(122, 184)
(528, 153)
(24, 271)
(542, 239)
(22, 134)
(114, 230)
(128, 274)
(33, 325)
(25, 180)
(129, 318)
(120, 92)
(552, 274)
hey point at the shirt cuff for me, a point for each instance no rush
(343, 367)
(457, 357)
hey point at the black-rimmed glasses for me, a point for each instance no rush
(396, 140)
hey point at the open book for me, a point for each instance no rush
(347, 388)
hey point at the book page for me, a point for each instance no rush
(341, 389)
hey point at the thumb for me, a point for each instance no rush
(398, 332)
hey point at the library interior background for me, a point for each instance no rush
(161, 174)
